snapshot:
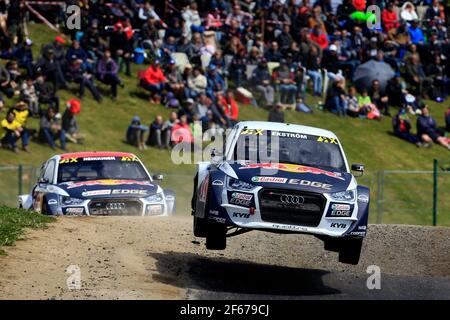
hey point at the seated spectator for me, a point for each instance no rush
(238, 67)
(437, 72)
(427, 130)
(408, 12)
(273, 53)
(352, 102)
(181, 132)
(78, 73)
(136, 132)
(276, 114)
(215, 82)
(174, 79)
(46, 92)
(319, 36)
(22, 114)
(167, 129)
(196, 83)
(24, 56)
(5, 82)
(416, 33)
(11, 132)
(367, 108)
(28, 93)
(76, 52)
(230, 106)
(378, 98)
(52, 69)
(336, 99)
(50, 129)
(402, 127)
(261, 80)
(389, 17)
(69, 122)
(285, 78)
(416, 76)
(107, 72)
(154, 81)
(395, 91)
(447, 120)
(157, 137)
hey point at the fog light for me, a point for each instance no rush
(153, 209)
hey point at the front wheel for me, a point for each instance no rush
(216, 236)
(350, 251)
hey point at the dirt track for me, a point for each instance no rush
(159, 258)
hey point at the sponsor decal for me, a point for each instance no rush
(255, 132)
(129, 159)
(74, 210)
(68, 160)
(289, 227)
(52, 201)
(327, 140)
(217, 183)
(363, 198)
(107, 182)
(242, 196)
(130, 191)
(362, 227)
(214, 212)
(338, 225)
(314, 184)
(204, 189)
(289, 135)
(288, 167)
(292, 199)
(240, 199)
(98, 158)
(340, 210)
(217, 219)
(269, 179)
(357, 233)
(241, 215)
(96, 193)
(154, 209)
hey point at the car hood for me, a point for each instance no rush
(109, 189)
(289, 176)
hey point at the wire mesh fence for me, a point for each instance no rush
(397, 196)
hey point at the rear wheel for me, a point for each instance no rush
(350, 251)
(200, 227)
(216, 236)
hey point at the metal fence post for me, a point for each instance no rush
(435, 190)
(20, 178)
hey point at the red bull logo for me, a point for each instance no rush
(106, 183)
(291, 168)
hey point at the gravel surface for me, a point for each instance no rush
(159, 258)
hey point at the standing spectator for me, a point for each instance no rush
(52, 69)
(69, 121)
(427, 131)
(121, 47)
(24, 56)
(136, 132)
(50, 129)
(107, 70)
(313, 64)
(12, 131)
(415, 75)
(5, 82)
(378, 98)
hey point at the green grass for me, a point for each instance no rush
(14, 221)
(364, 141)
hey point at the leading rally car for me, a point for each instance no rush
(97, 183)
(308, 188)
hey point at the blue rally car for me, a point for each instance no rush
(281, 178)
(97, 183)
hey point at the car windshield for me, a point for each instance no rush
(262, 146)
(84, 169)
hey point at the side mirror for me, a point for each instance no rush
(43, 181)
(358, 168)
(158, 177)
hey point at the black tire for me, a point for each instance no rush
(200, 227)
(44, 209)
(216, 236)
(350, 251)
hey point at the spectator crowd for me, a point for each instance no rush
(204, 57)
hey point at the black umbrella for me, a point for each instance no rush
(373, 70)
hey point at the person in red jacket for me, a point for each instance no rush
(230, 106)
(389, 18)
(319, 37)
(154, 80)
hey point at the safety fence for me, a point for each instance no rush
(397, 196)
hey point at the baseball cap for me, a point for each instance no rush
(333, 47)
(136, 119)
(60, 39)
(74, 106)
(190, 100)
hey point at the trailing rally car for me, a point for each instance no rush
(281, 178)
(98, 183)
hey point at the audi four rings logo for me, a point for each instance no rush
(292, 199)
(115, 206)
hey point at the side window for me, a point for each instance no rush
(49, 171)
(42, 171)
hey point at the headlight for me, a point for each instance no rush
(348, 195)
(240, 185)
(69, 201)
(155, 198)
